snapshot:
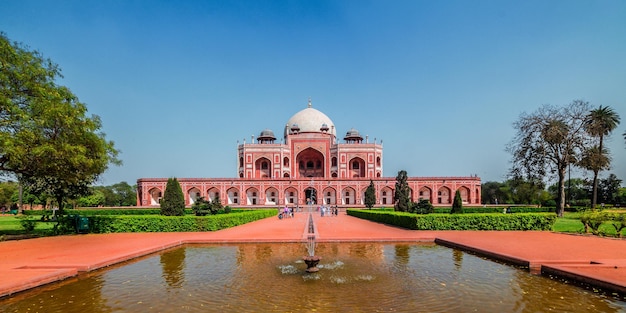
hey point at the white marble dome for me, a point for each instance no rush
(310, 120)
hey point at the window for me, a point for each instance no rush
(291, 194)
(355, 165)
(272, 194)
(347, 193)
(334, 161)
(309, 164)
(235, 194)
(384, 193)
(264, 166)
(254, 194)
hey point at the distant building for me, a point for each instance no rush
(310, 166)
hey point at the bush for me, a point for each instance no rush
(457, 204)
(522, 221)
(159, 223)
(173, 202)
(27, 223)
(423, 207)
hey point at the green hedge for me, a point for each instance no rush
(117, 211)
(512, 209)
(482, 221)
(158, 223)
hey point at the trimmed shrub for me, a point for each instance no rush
(173, 202)
(522, 221)
(159, 223)
(457, 203)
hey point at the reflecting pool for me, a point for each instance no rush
(353, 277)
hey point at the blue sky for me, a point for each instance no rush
(178, 83)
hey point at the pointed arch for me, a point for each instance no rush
(271, 196)
(155, 196)
(193, 194)
(444, 195)
(233, 196)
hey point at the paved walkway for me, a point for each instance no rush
(25, 264)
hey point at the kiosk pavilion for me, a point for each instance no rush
(310, 167)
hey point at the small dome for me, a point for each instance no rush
(267, 133)
(353, 135)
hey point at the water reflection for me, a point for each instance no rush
(354, 277)
(173, 263)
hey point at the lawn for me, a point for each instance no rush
(10, 225)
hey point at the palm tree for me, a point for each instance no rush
(600, 122)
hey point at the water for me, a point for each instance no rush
(353, 277)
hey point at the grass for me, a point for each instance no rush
(10, 225)
(570, 223)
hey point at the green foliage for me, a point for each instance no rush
(423, 206)
(116, 195)
(457, 203)
(159, 223)
(370, 195)
(7, 190)
(522, 221)
(402, 195)
(594, 219)
(201, 207)
(173, 202)
(96, 198)
(46, 138)
(27, 224)
(498, 209)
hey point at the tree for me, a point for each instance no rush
(599, 123)
(402, 193)
(547, 142)
(457, 203)
(609, 188)
(577, 191)
(370, 195)
(46, 139)
(173, 202)
(7, 190)
(96, 198)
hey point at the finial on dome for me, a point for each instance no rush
(310, 105)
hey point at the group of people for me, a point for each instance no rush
(286, 212)
(327, 210)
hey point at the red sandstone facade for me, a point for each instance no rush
(310, 166)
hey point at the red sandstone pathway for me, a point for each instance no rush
(25, 264)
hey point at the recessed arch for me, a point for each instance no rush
(443, 195)
(252, 196)
(348, 196)
(213, 193)
(311, 163)
(356, 166)
(386, 196)
(426, 194)
(194, 194)
(233, 196)
(329, 196)
(291, 196)
(155, 196)
(263, 168)
(271, 196)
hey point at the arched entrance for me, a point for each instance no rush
(310, 163)
(310, 194)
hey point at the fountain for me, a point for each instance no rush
(311, 259)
